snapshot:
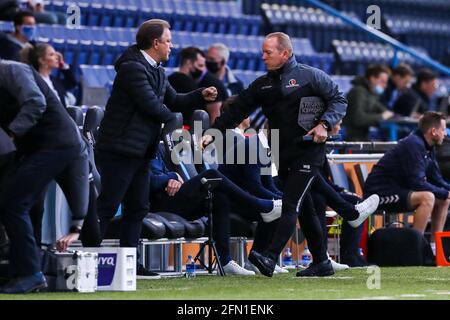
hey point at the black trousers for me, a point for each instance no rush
(298, 203)
(124, 180)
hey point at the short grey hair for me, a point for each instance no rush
(223, 50)
(284, 42)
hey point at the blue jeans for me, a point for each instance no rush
(69, 167)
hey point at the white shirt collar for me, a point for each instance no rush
(149, 59)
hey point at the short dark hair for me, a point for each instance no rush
(18, 18)
(430, 119)
(190, 54)
(149, 31)
(425, 75)
(403, 70)
(375, 70)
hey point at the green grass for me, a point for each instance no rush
(396, 283)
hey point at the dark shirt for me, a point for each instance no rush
(209, 80)
(413, 100)
(411, 165)
(182, 83)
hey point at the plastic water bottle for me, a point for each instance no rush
(306, 257)
(287, 257)
(361, 252)
(190, 267)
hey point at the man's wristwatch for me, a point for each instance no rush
(324, 124)
(75, 229)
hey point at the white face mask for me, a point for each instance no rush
(378, 90)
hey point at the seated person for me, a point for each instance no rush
(398, 84)
(417, 100)
(168, 192)
(408, 178)
(12, 43)
(248, 175)
(364, 107)
(45, 60)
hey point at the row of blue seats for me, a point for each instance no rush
(353, 57)
(96, 14)
(98, 45)
(314, 24)
(401, 24)
(197, 7)
(411, 8)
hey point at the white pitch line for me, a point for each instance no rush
(412, 295)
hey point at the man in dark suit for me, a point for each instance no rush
(130, 131)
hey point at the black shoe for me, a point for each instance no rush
(143, 273)
(27, 284)
(264, 264)
(353, 260)
(321, 269)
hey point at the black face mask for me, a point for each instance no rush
(213, 66)
(196, 73)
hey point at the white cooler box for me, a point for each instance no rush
(116, 268)
(75, 271)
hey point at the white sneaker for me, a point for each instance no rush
(279, 269)
(251, 267)
(338, 266)
(365, 209)
(274, 214)
(233, 268)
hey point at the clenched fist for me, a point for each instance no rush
(210, 94)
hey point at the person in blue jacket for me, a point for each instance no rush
(169, 192)
(408, 177)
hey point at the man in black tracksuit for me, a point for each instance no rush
(298, 100)
(130, 131)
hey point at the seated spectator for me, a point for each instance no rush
(364, 107)
(193, 70)
(192, 66)
(168, 192)
(417, 100)
(45, 60)
(24, 30)
(398, 84)
(216, 61)
(408, 178)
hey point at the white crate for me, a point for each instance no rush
(116, 268)
(76, 271)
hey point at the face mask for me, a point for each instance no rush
(212, 66)
(197, 73)
(28, 31)
(378, 90)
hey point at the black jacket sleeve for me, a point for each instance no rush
(134, 81)
(245, 103)
(179, 101)
(335, 100)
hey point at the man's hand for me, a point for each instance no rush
(206, 140)
(172, 187)
(387, 114)
(319, 133)
(209, 94)
(63, 243)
